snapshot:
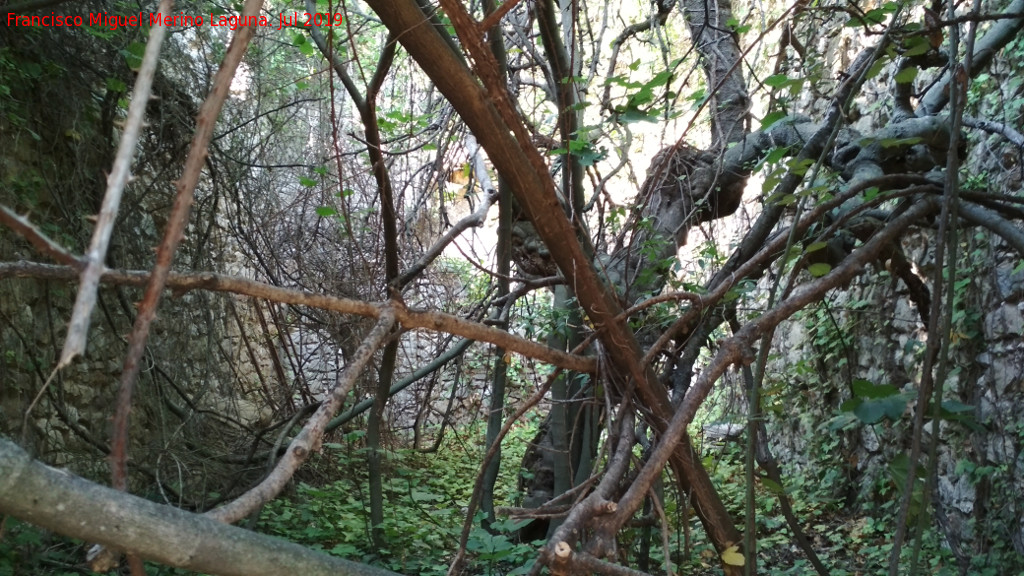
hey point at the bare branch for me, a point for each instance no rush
(1007, 131)
(116, 181)
(35, 236)
(476, 219)
(434, 321)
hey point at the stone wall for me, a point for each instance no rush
(872, 331)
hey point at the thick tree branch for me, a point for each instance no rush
(75, 507)
(999, 35)
(1010, 133)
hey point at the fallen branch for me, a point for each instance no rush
(72, 506)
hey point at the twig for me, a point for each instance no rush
(660, 510)
(474, 220)
(497, 15)
(41, 241)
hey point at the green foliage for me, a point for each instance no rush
(873, 17)
(499, 551)
(26, 549)
(583, 148)
(870, 403)
(641, 95)
(426, 495)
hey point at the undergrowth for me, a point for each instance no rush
(428, 494)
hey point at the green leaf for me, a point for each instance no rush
(307, 182)
(116, 85)
(697, 98)
(631, 115)
(876, 68)
(776, 154)
(906, 76)
(819, 269)
(772, 118)
(873, 402)
(660, 79)
(916, 46)
(800, 167)
(792, 254)
(776, 80)
(866, 389)
(305, 46)
(871, 411)
(133, 55)
(772, 180)
(815, 247)
(326, 211)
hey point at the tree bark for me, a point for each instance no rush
(75, 507)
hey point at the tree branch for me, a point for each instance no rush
(434, 321)
(37, 238)
(173, 234)
(120, 174)
(999, 35)
(75, 507)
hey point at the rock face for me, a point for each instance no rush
(190, 404)
(872, 332)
